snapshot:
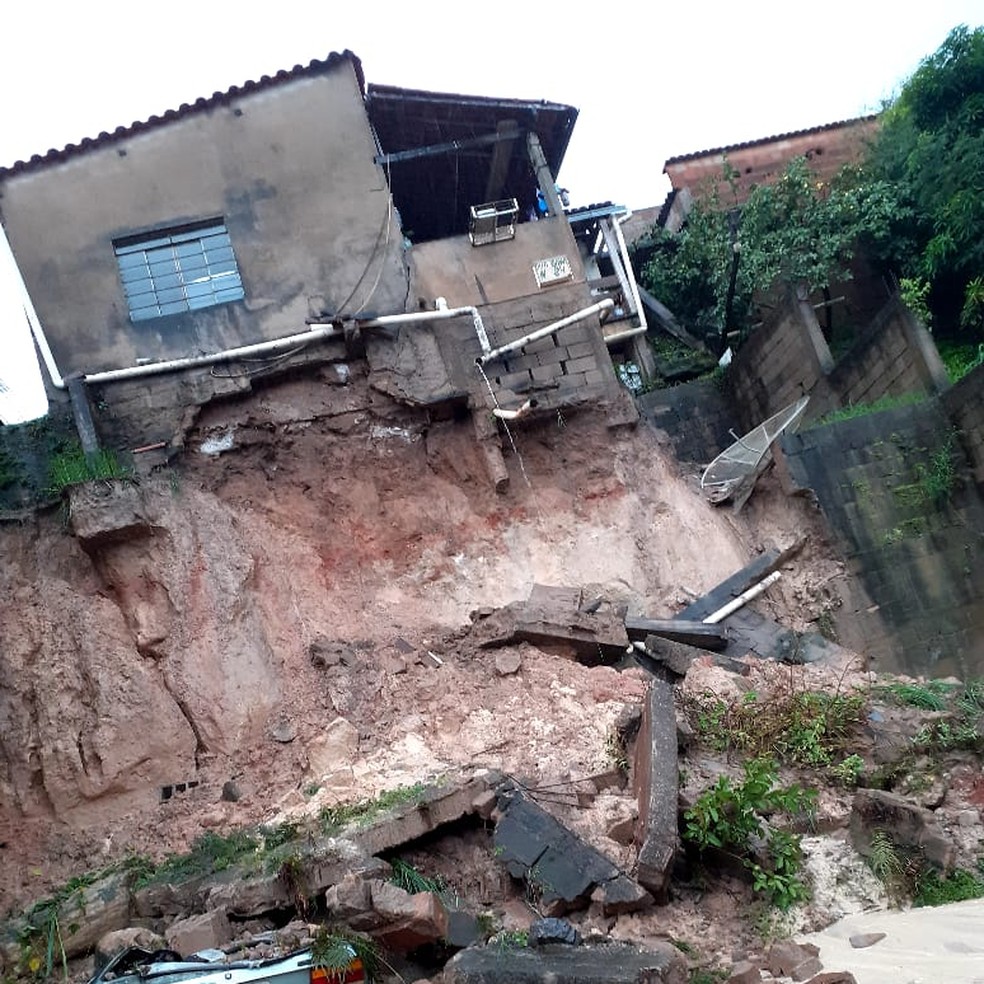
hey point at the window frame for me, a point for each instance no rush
(178, 269)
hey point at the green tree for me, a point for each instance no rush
(796, 230)
(930, 147)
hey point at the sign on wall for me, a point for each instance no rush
(552, 270)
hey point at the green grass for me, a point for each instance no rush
(73, 466)
(863, 409)
(210, 853)
(336, 818)
(926, 696)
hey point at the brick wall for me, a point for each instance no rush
(827, 149)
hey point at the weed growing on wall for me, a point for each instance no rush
(73, 466)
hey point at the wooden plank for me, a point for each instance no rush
(692, 632)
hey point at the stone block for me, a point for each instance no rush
(92, 912)
(118, 940)
(906, 823)
(207, 931)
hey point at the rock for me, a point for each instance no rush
(283, 729)
(325, 653)
(117, 940)
(205, 932)
(796, 960)
(544, 931)
(230, 792)
(968, 818)
(907, 824)
(833, 977)
(606, 964)
(862, 940)
(349, 899)
(248, 898)
(406, 922)
(462, 929)
(507, 662)
(744, 972)
(336, 748)
(623, 831)
(392, 664)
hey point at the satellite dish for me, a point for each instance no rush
(732, 474)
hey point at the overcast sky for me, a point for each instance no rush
(650, 80)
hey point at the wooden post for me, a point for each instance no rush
(82, 413)
(546, 181)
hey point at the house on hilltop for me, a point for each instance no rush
(305, 217)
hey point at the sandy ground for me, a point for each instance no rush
(943, 945)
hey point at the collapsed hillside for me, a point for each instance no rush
(176, 650)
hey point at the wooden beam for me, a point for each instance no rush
(508, 131)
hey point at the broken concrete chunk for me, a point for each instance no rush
(406, 922)
(337, 747)
(693, 633)
(657, 784)
(552, 617)
(563, 871)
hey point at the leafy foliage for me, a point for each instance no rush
(797, 230)
(931, 148)
(957, 886)
(336, 947)
(730, 817)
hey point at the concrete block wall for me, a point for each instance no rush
(696, 417)
(788, 357)
(893, 356)
(915, 554)
(964, 403)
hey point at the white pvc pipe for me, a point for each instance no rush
(746, 596)
(623, 335)
(316, 332)
(514, 414)
(630, 273)
(604, 305)
(226, 355)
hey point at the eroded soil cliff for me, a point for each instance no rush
(317, 516)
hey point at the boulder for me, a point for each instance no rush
(207, 931)
(544, 931)
(406, 922)
(904, 822)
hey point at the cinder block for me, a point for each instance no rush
(581, 365)
(581, 349)
(544, 374)
(541, 345)
(516, 381)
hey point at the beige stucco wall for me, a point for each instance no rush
(478, 275)
(289, 168)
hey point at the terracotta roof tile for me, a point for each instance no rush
(316, 67)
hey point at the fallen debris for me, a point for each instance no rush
(657, 789)
(562, 872)
(555, 617)
(691, 632)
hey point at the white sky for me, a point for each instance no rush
(650, 80)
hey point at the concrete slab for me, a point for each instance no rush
(657, 788)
